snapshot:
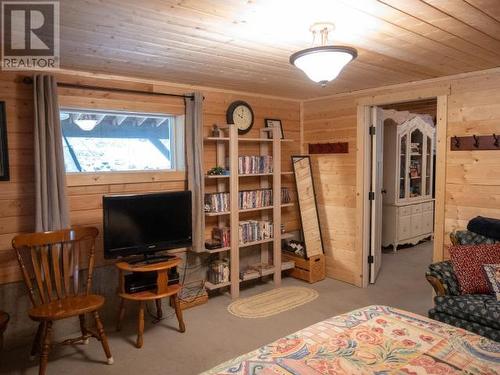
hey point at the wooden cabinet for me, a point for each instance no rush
(408, 213)
(407, 224)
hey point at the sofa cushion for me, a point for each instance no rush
(480, 308)
(493, 277)
(468, 263)
(466, 237)
(444, 272)
(489, 332)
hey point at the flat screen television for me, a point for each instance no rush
(147, 223)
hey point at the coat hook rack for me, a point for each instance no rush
(475, 142)
(329, 148)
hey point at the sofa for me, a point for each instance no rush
(478, 313)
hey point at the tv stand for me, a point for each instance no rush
(152, 259)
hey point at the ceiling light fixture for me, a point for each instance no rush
(86, 125)
(322, 63)
(86, 121)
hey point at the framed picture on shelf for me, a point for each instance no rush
(270, 123)
(4, 153)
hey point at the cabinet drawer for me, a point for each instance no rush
(416, 209)
(427, 206)
(416, 225)
(405, 211)
(428, 222)
(404, 228)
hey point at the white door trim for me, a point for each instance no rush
(363, 160)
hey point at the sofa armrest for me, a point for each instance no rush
(436, 284)
(442, 278)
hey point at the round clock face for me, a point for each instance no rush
(240, 114)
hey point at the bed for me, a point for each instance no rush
(374, 340)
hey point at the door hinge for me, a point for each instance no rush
(371, 196)
(372, 130)
(370, 259)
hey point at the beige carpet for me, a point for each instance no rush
(272, 302)
(213, 335)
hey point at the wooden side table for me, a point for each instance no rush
(163, 290)
(4, 320)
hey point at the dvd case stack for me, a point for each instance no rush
(217, 202)
(218, 271)
(255, 198)
(285, 195)
(255, 164)
(222, 235)
(255, 230)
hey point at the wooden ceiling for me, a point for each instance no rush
(245, 44)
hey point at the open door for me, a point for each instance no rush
(375, 196)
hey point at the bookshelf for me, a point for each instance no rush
(227, 154)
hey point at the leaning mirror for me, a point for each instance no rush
(306, 197)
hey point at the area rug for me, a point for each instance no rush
(272, 302)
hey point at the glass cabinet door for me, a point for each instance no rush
(428, 170)
(415, 168)
(402, 166)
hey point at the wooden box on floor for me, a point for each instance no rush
(311, 270)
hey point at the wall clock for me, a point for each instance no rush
(240, 113)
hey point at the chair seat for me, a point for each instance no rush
(67, 307)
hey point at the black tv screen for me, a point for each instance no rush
(147, 223)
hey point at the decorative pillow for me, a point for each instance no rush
(468, 265)
(493, 277)
(485, 226)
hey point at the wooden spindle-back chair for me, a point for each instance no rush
(51, 265)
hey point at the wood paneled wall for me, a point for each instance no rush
(85, 194)
(472, 178)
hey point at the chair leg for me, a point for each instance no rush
(83, 328)
(121, 314)
(36, 346)
(159, 311)
(103, 338)
(140, 325)
(44, 355)
(177, 305)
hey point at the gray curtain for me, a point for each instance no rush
(194, 161)
(51, 212)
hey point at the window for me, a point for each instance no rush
(107, 141)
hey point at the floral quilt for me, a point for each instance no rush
(377, 340)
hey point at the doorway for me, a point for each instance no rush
(411, 198)
(403, 171)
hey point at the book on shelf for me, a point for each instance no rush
(255, 198)
(249, 273)
(222, 235)
(248, 231)
(218, 271)
(255, 164)
(248, 199)
(216, 202)
(255, 230)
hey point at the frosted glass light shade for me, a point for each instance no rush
(86, 125)
(323, 64)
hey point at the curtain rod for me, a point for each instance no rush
(29, 81)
